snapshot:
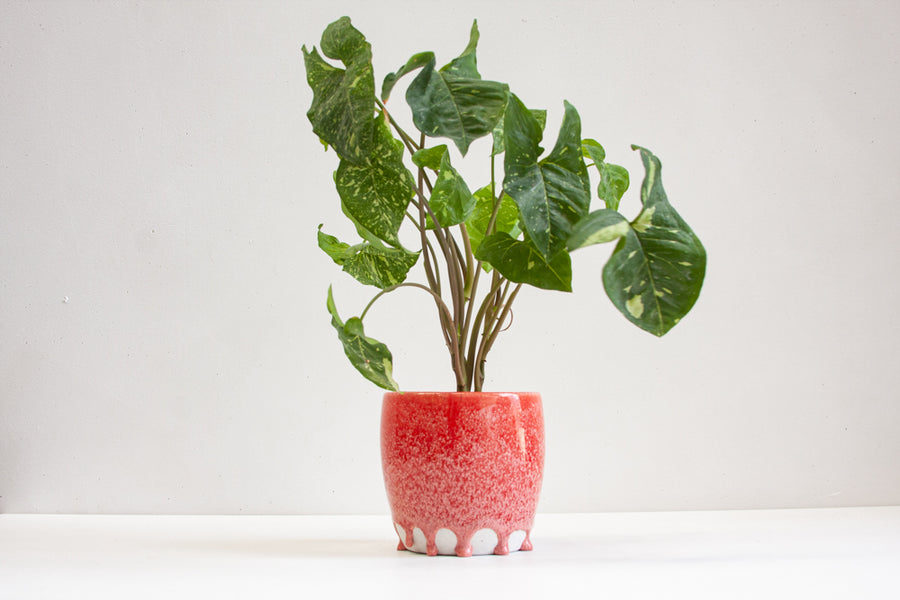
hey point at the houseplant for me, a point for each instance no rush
(476, 250)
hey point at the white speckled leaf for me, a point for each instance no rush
(599, 227)
(343, 100)
(520, 262)
(370, 357)
(552, 194)
(376, 192)
(369, 264)
(655, 273)
(454, 102)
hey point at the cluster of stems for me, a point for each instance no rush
(469, 326)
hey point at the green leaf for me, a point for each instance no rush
(455, 102)
(507, 217)
(417, 61)
(369, 264)
(521, 262)
(451, 201)
(553, 194)
(369, 356)
(499, 138)
(336, 249)
(376, 192)
(379, 266)
(343, 100)
(614, 179)
(465, 65)
(430, 158)
(592, 149)
(655, 273)
(614, 182)
(599, 227)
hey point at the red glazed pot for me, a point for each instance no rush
(462, 470)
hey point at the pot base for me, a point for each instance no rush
(445, 542)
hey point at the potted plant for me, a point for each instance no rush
(463, 468)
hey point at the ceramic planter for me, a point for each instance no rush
(462, 470)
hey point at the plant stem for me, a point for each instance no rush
(488, 343)
(387, 290)
(407, 140)
(473, 340)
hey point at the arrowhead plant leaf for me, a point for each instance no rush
(655, 273)
(599, 227)
(333, 247)
(552, 194)
(343, 99)
(522, 230)
(507, 220)
(369, 264)
(416, 61)
(499, 137)
(521, 262)
(430, 158)
(614, 179)
(369, 356)
(454, 102)
(376, 192)
(451, 201)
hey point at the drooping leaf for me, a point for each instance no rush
(520, 262)
(451, 201)
(343, 99)
(599, 227)
(507, 220)
(369, 264)
(655, 273)
(376, 192)
(454, 102)
(369, 356)
(553, 194)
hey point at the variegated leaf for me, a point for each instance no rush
(343, 99)
(655, 273)
(370, 357)
(451, 201)
(454, 102)
(376, 192)
(599, 227)
(369, 264)
(507, 217)
(521, 262)
(552, 194)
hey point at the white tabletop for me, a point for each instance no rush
(797, 554)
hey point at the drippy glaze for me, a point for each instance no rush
(464, 462)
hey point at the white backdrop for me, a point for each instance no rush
(164, 345)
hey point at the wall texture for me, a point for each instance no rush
(164, 345)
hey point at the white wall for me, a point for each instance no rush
(164, 345)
